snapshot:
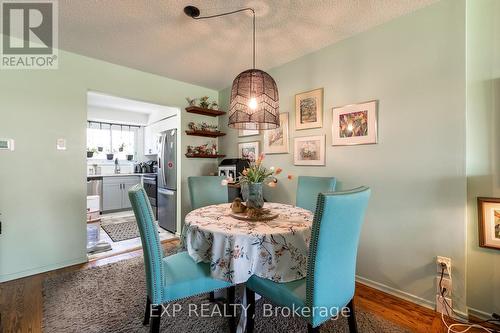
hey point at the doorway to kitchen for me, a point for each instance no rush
(124, 146)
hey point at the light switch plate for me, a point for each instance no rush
(61, 144)
(7, 144)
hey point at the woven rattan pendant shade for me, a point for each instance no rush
(254, 83)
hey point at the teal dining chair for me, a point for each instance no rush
(206, 191)
(331, 265)
(170, 278)
(308, 189)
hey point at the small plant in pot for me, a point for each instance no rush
(100, 149)
(90, 152)
(109, 156)
(130, 157)
(121, 148)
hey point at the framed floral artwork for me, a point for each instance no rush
(309, 109)
(248, 150)
(309, 150)
(276, 140)
(355, 124)
(489, 222)
(245, 132)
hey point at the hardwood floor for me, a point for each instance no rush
(21, 301)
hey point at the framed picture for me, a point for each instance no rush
(309, 150)
(248, 150)
(489, 222)
(309, 109)
(245, 132)
(276, 140)
(355, 124)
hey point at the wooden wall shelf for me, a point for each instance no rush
(205, 156)
(205, 112)
(210, 134)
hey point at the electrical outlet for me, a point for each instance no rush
(446, 284)
(441, 307)
(443, 261)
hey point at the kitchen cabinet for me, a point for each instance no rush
(115, 192)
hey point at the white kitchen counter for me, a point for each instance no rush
(121, 175)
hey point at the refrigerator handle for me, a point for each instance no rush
(161, 154)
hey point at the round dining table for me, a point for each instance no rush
(236, 249)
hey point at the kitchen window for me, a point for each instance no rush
(108, 138)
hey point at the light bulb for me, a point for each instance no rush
(349, 127)
(252, 103)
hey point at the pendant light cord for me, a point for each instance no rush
(234, 12)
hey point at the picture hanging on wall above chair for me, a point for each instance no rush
(309, 109)
(355, 124)
(309, 150)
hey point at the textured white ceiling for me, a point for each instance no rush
(155, 36)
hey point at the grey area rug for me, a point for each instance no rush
(111, 299)
(119, 231)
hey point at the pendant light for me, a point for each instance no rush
(254, 103)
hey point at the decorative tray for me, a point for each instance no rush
(267, 215)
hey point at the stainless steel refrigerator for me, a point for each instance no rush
(167, 180)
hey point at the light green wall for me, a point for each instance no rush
(483, 157)
(42, 191)
(415, 67)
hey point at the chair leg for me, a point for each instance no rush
(211, 297)
(155, 319)
(251, 310)
(353, 327)
(311, 329)
(147, 313)
(230, 305)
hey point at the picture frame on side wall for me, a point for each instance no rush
(309, 150)
(355, 124)
(276, 141)
(489, 222)
(245, 132)
(309, 109)
(248, 150)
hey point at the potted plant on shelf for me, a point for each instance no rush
(121, 148)
(252, 180)
(100, 149)
(130, 157)
(204, 102)
(109, 156)
(90, 152)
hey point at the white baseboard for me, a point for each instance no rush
(403, 294)
(478, 313)
(43, 269)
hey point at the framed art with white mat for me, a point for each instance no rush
(355, 124)
(309, 150)
(248, 150)
(309, 109)
(246, 132)
(276, 141)
(489, 222)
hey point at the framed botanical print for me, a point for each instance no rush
(355, 124)
(245, 132)
(248, 150)
(309, 109)
(309, 150)
(276, 140)
(489, 222)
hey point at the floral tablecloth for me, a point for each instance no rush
(236, 249)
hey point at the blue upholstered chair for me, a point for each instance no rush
(168, 278)
(206, 191)
(308, 189)
(331, 264)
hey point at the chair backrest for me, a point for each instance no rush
(333, 249)
(206, 191)
(308, 189)
(151, 245)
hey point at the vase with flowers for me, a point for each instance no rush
(252, 180)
